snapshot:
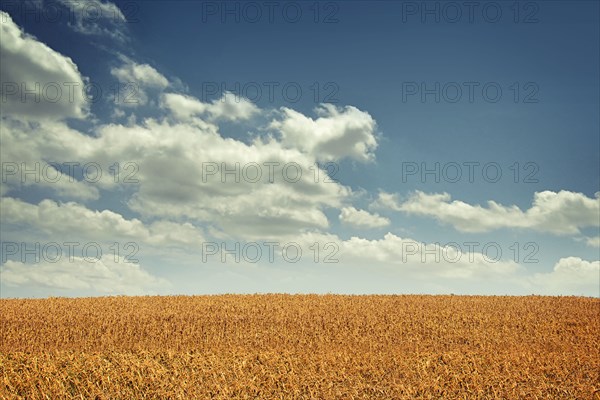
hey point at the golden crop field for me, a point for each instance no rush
(301, 347)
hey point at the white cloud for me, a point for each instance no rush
(183, 107)
(76, 222)
(46, 176)
(71, 188)
(233, 108)
(138, 82)
(41, 146)
(362, 218)
(176, 182)
(107, 275)
(228, 107)
(593, 241)
(171, 154)
(427, 261)
(338, 133)
(559, 213)
(570, 276)
(98, 18)
(386, 201)
(171, 157)
(142, 74)
(31, 66)
(432, 259)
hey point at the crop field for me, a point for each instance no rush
(301, 347)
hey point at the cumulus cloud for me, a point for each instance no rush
(268, 191)
(386, 201)
(106, 275)
(593, 241)
(337, 133)
(229, 107)
(174, 160)
(45, 148)
(15, 176)
(559, 213)
(444, 260)
(96, 17)
(138, 82)
(37, 82)
(416, 258)
(570, 276)
(362, 218)
(142, 74)
(183, 107)
(76, 222)
(175, 154)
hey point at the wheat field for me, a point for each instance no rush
(301, 347)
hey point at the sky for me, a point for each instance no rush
(205, 147)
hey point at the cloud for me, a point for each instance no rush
(18, 175)
(269, 191)
(39, 148)
(142, 74)
(336, 134)
(172, 154)
(76, 222)
(37, 82)
(558, 213)
(431, 259)
(106, 275)
(570, 276)
(386, 201)
(417, 259)
(593, 241)
(229, 107)
(173, 160)
(183, 107)
(141, 79)
(362, 218)
(97, 18)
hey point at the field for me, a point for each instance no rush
(301, 347)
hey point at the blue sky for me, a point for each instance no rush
(373, 93)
